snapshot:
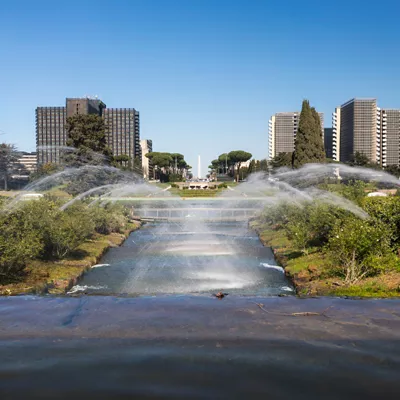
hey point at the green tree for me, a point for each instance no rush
(238, 157)
(282, 160)
(393, 170)
(121, 161)
(319, 138)
(225, 162)
(87, 134)
(44, 170)
(264, 165)
(309, 142)
(215, 166)
(9, 156)
(159, 161)
(359, 160)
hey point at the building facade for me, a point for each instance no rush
(359, 129)
(336, 134)
(28, 161)
(359, 125)
(147, 167)
(122, 129)
(282, 130)
(328, 142)
(50, 133)
(123, 132)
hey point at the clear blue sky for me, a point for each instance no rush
(205, 74)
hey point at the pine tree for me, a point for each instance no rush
(309, 147)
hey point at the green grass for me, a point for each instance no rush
(303, 262)
(368, 289)
(187, 193)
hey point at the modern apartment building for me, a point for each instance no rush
(122, 128)
(282, 132)
(147, 167)
(389, 137)
(336, 134)
(359, 129)
(359, 125)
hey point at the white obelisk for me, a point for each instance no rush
(198, 168)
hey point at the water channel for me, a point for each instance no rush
(174, 258)
(143, 324)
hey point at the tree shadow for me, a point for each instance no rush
(76, 255)
(293, 254)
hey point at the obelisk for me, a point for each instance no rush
(198, 168)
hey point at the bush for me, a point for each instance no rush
(386, 210)
(222, 185)
(108, 219)
(18, 244)
(39, 229)
(361, 248)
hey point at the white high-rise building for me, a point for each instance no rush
(336, 134)
(146, 147)
(282, 130)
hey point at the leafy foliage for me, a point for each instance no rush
(44, 170)
(9, 156)
(282, 160)
(237, 157)
(39, 229)
(86, 133)
(309, 147)
(360, 247)
(169, 167)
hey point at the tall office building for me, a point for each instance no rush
(122, 128)
(282, 132)
(147, 167)
(50, 133)
(123, 131)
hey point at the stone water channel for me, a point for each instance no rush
(143, 324)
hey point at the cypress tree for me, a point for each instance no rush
(309, 147)
(319, 140)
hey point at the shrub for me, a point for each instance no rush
(18, 244)
(386, 210)
(107, 219)
(360, 247)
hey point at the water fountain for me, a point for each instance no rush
(193, 254)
